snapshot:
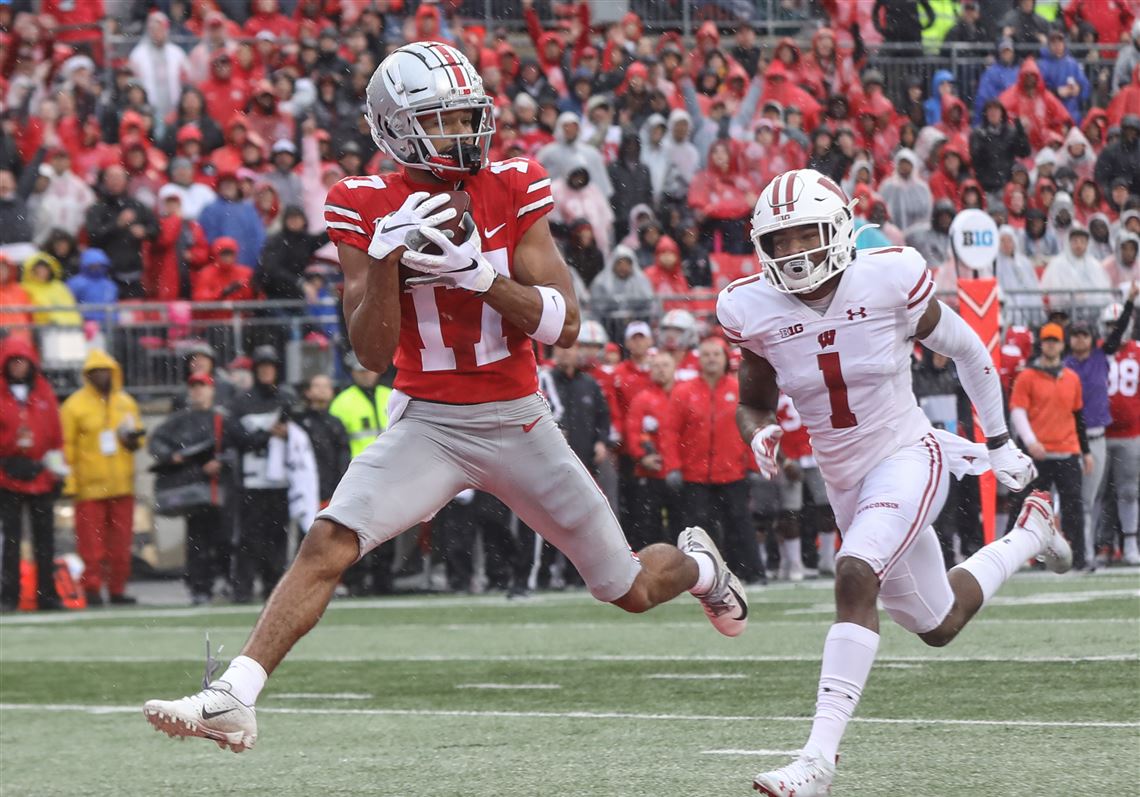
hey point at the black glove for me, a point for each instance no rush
(21, 469)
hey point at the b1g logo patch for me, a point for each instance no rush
(787, 332)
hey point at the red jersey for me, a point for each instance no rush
(454, 347)
(688, 368)
(1123, 395)
(700, 435)
(642, 424)
(629, 379)
(795, 443)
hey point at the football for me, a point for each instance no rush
(453, 228)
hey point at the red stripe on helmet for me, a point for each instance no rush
(775, 200)
(789, 197)
(832, 187)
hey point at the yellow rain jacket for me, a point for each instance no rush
(53, 293)
(101, 467)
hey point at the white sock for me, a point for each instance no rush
(1131, 549)
(993, 565)
(763, 550)
(791, 552)
(827, 550)
(246, 679)
(706, 574)
(848, 653)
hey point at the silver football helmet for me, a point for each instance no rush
(419, 83)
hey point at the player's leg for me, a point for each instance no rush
(1126, 466)
(790, 529)
(821, 519)
(882, 518)
(975, 581)
(406, 475)
(533, 471)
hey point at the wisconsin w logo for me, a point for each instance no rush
(826, 338)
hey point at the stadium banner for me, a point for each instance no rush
(978, 305)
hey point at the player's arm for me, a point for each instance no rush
(756, 412)
(943, 331)
(371, 305)
(540, 300)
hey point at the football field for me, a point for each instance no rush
(442, 696)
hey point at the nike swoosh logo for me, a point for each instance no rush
(743, 604)
(491, 233)
(528, 426)
(209, 715)
(397, 227)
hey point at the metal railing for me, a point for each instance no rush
(151, 341)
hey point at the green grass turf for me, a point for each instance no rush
(1063, 653)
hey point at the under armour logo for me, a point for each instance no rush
(988, 369)
(853, 314)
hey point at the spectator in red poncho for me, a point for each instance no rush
(825, 70)
(226, 93)
(227, 158)
(320, 14)
(666, 274)
(722, 199)
(176, 254)
(1111, 19)
(1039, 110)
(143, 178)
(218, 35)
(549, 47)
(94, 154)
(955, 123)
(267, 16)
(778, 88)
(263, 117)
(768, 153)
(222, 279)
(788, 53)
(1016, 205)
(876, 133)
(708, 43)
(77, 24)
(427, 26)
(946, 183)
(1087, 200)
(971, 195)
(1127, 100)
(1095, 127)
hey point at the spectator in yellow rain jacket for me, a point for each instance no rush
(101, 431)
(43, 282)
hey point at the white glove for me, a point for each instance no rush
(460, 266)
(765, 444)
(1012, 467)
(392, 230)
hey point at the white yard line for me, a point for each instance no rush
(320, 696)
(696, 676)
(751, 752)
(508, 687)
(620, 658)
(581, 715)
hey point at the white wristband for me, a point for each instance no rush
(553, 315)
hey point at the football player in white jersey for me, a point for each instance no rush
(835, 332)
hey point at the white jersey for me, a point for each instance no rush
(847, 370)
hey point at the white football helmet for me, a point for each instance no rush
(592, 333)
(685, 336)
(1109, 316)
(421, 82)
(793, 199)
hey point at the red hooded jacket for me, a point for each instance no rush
(177, 238)
(942, 184)
(27, 429)
(721, 194)
(218, 282)
(699, 432)
(267, 17)
(652, 402)
(1039, 110)
(1127, 100)
(779, 87)
(667, 281)
(834, 74)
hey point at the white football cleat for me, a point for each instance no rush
(725, 604)
(1037, 516)
(214, 713)
(808, 776)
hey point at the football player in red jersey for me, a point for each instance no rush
(1123, 434)
(466, 412)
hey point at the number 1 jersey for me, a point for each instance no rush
(848, 369)
(454, 347)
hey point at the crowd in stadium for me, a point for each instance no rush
(198, 171)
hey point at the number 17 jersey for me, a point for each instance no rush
(454, 347)
(848, 369)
